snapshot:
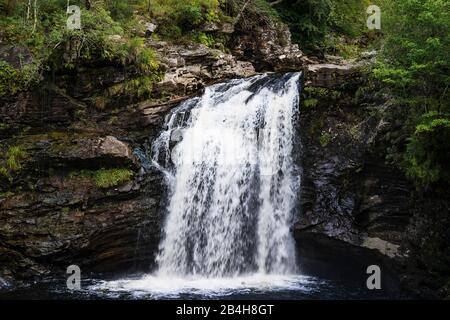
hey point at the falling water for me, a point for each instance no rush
(228, 161)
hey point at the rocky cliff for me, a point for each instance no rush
(62, 140)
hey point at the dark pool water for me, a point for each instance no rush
(152, 288)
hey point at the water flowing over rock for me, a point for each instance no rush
(232, 179)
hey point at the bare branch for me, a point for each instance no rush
(238, 17)
(276, 3)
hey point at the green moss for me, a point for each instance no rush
(140, 87)
(113, 120)
(99, 102)
(355, 132)
(316, 125)
(105, 178)
(312, 102)
(6, 194)
(321, 93)
(14, 157)
(83, 174)
(5, 173)
(14, 80)
(13, 161)
(325, 139)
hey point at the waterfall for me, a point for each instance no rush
(228, 161)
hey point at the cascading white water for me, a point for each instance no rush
(232, 180)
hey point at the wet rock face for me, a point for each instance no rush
(70, 221)
(53, 214)
(348, 191)
(352, 196)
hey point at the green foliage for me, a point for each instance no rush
(325, 139)
(312, 96)
(311, 21)
(204, 38)
(14, 156)
(145, 59)
(105, 178)
(415, 56)
(415, 67)
(14, 80)
(65, 210)
(122, 10)
(140, 87)
(348, 17)
(311, 102)
(13, 162)
(181, 17)
(427, 157)
(54, 47)
(4, 172)
(256, 12)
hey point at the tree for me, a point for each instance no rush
(415, 66)
(415, 55)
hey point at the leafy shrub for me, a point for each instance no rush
(203, 38)
(325, 139)
(180, 17)
(427, 157)
(14, 80)
(414, 66)
(54, 47)
(311, 21)
(415, 56)
(15, 155)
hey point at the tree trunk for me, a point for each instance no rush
(276, 3)
(35, 15)
(28, 9)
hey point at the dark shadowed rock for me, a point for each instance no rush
(16, 56)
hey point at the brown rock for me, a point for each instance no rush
(333, 76)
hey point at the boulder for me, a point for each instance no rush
(333, 76)
(95, 152)
(150, 28)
